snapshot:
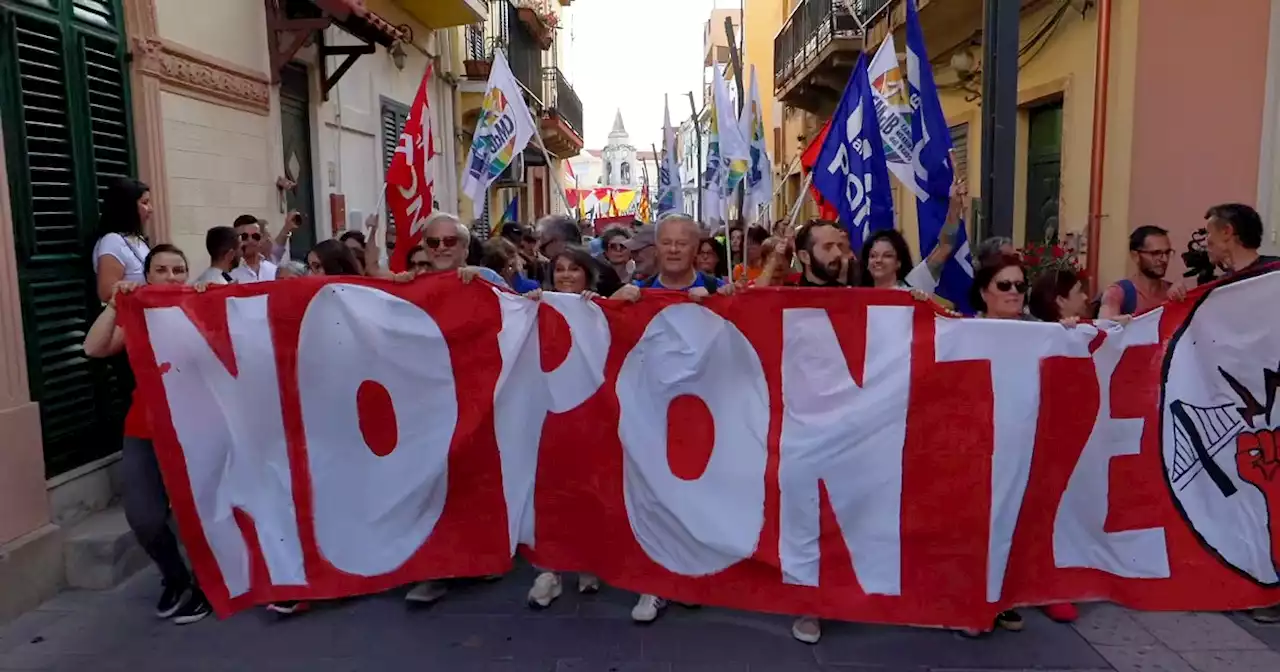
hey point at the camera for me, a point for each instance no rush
(1196, 258)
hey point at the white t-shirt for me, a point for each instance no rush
(131, 252)
(211, 276)
(244, 275)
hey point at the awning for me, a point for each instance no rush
(360, 21)
(292, 24)
(446, 13)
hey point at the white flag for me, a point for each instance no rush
(670, 197)
(733, 150)
(893, 110)
(759, 178)
(503, 131)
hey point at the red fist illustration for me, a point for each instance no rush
(1258, 462)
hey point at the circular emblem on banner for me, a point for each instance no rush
(1219, 440)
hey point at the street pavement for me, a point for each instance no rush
(488, 628)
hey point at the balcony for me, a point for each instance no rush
(444, 13)
(505, 31)
(814, 53)
(561, 124)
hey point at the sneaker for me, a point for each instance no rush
(171, 599)
(1267, 615)
(427, 592)
(807, 629)
(647, 608)
(288, 608)
(193, 610)
(1010, 620)
(588, 584)
(546, 588)
(1062, 613)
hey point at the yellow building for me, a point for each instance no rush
(1179, 134)
(223, 108)
(534, 35)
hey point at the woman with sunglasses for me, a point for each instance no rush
(711, 258)
(146, 503)
(617, 254)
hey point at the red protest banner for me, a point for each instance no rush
(854, 454)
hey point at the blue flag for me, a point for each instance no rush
(512, 213)
(851, 172)
(931, 138)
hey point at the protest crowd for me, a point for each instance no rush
(624, 263)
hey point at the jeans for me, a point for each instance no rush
(146, 507)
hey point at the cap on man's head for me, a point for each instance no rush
(514, 231)
(644, 236)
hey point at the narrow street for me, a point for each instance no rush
(488, 628)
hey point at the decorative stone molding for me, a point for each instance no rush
(203, 76)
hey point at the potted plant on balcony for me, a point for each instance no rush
(540, 19)
(479, 68)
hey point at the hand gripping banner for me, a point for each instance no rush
(853, 454)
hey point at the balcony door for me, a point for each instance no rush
(1044, 172)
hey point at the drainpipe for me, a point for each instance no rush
(1099, 158)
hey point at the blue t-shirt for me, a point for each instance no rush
(525, 285)
(699, 280)
(492, 276)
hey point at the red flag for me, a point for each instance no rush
(410, 179)
(807, 161)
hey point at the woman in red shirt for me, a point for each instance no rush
(146, 504)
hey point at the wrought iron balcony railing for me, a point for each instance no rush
(560, 97)
(505, 31)
(813, 24)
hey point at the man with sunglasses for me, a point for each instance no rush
(253, 266)
(1150, 249)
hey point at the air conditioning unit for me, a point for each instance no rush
(513, 175)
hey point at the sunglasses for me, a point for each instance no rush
(251, 236)
(1006, 285)
(617, 246)
(447, 241)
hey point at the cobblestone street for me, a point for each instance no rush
(488, 628)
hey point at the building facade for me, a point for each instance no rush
(1169, 152)
(535, 37)
(222, 108)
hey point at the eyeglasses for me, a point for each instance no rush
(251, 236)
(1159, 254)
(447, 241)
(617, 246)
(1006, 285)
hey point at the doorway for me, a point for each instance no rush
(295, 127)
(1044, 172)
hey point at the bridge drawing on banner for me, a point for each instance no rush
(1199, 435)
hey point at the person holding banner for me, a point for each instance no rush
(146, 502)
(886, 257)
(678, 237)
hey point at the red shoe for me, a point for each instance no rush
(1062, 613)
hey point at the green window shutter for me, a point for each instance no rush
(65, 107)
(394, 116)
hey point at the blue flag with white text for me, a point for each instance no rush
(931, 137)
(851, 172)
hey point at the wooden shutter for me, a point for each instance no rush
(960, 143)
(65, 107)
(394, 116)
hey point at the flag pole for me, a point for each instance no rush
(554, 177)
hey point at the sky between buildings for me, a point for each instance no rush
(628, 53)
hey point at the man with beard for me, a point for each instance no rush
(823, 250)
(1150, 249)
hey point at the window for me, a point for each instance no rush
(394, 116)
(65, 112)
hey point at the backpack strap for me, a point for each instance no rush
(1129, 303)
